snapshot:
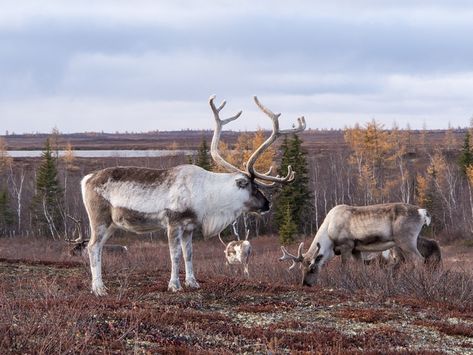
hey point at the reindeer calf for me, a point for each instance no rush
(238, 251)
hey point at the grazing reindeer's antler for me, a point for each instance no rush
(288, 256)
(235, 231)
(77, 229)
(250, 170)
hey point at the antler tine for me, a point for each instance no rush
(216, 111)
(235, 231)
(219, 123)
(288, 256)
(78, 228)
(219, 237)
(274, 135)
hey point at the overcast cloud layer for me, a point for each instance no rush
(147, 65)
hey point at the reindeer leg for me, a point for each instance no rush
(186, 245)
(174, 238)
(98, 238)
(246, 271)
(408, 248)
(346, 252)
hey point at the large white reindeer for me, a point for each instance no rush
(350, 230)
(179, 199)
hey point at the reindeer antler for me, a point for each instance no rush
(77, 229)
(219, 123)
(288, 256)
(250, 170)
(274, 135)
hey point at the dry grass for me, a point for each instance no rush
(46, 307)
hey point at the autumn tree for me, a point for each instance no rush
(69, 157)
(47, 202)
(6, 214)
(5, 159)
(245, 145)
(372, 151)
(435, 191)
(450, 141)
(399, 142)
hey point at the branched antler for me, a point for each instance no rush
(219, 123)
(274, 135)
(250, 170)
(288, 256)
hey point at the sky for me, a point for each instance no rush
(137, 66)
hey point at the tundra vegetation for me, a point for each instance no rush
(45, 305)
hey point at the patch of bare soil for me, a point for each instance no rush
(46, 307)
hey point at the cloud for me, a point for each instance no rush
(147, 61)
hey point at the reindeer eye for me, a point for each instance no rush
(242, 183)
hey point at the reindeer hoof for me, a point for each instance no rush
(174, 286)
(192, 283)
(99, 289)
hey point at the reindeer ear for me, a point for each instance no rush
(242, 182)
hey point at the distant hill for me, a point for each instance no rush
(314, 140)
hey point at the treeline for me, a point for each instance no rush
(377, 165)
(383, 165)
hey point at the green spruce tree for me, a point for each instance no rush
(296, 194)
(47, 202)
(287, 229)
(466, 154)
(204, 159)
(7, 217)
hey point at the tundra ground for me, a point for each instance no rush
(46, 305)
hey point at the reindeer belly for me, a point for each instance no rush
(136, 222)
(368, 234)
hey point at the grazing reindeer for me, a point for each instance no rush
(349, 230)
(238, 251)
(428, 248)
(79, 248)
(179, 199)
(79, 245)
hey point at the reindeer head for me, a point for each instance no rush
(78, 247)
(310, 266)
(78, 244)
(249, 181)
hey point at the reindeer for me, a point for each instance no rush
(179, 199)
(238, 251)
(79, 245)
(350, 230)
(79, 248)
